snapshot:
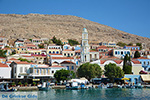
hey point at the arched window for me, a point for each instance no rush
(72, 67)
(67, 67)
(53, 51)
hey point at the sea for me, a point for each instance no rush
(90, 94)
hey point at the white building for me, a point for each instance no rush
(54, 68)
(120, 53)
(20, 69)
(85, 54)
(136, 65)
(5, 71)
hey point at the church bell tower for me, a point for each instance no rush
(85, 54)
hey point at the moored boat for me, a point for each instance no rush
(44, 87)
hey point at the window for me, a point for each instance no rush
(121, 52)
(128, 52)
(25, 69)
(148, 63)
(67, 67)
(49, 51)
(64, 54)
(124, 52)
(68, 55)
(18, 49)
(57, 52)
(116, 52)
(71, 54)
(53, 51)
(72, 67)
(21, 70)
(144, 62)
(52, 71)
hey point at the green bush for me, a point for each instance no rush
(19, 83)
(34, 83)
(25, 83)
(13, 83)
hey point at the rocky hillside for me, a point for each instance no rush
(62, 26)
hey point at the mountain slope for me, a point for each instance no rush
(61, 26)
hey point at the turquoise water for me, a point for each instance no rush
(96, 94)
(91, 94)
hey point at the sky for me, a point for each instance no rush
(132, 16)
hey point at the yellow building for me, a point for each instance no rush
(20, 50)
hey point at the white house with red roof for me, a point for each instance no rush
(69, 65)
(136, 65)
(5, 71)
(40, 71)
(20, 69)
(54, 68)
(68, 53)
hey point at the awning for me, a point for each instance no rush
(125, 78)
(145, 78)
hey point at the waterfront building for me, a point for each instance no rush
(145, 63)
(68, 53)
(136, 65)
(69, 65)
(55, 68)
(5, 71)
(85, 53)
(20, 69)
(39, 71)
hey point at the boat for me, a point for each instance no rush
(44, 87)
(4, 87)
(139, 85)
(73, 86)
(102, 85)
(109, 85)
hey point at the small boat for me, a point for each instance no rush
(102, 86)
(139, 85)
(4, 87)
(73, 86)
(44, 87)
(109, 85)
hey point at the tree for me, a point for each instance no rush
(139, 44)
(58, 42)
(136, 54)
(127, 66)
(121, 44)
(41, 46)
(3, 53)
(89, 71)
(130, 44)
(113, 71)
(73, 42)
(21, 59)
(63, 75)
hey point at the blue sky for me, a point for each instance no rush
(132, 16)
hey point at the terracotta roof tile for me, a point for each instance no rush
(67, 62)
(136, 62)
(56, 66)
(3, 65)
(62, 58)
